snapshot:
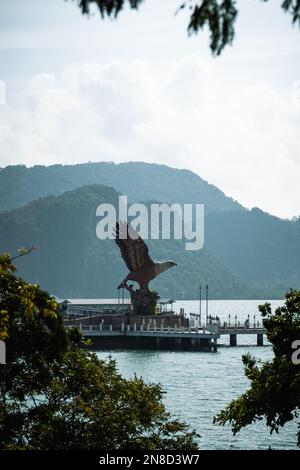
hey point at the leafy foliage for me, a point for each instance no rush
(218, 15)
(30, 318)
(88, 405)
(275, 385)
(56, 395)
(108, 7)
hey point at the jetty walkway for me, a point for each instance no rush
(158, 337)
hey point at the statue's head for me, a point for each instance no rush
(171, 264)
(161, 267)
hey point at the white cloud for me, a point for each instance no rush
(243, 138)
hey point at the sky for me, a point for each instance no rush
(76, 89)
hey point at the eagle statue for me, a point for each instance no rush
(135, 253)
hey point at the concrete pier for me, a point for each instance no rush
(174, 339)
(235, 331)
(163, 331)
(260, 339)
(232, 339)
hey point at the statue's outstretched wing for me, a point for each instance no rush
(133, 249)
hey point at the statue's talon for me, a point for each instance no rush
(122, 285)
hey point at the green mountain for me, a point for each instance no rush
(70, 261)
(263, 249)
(139, 181)
(260, 249)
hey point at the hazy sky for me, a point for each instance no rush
(138, 88)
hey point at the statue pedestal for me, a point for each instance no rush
(144, 301)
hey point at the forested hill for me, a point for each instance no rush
(70, 261)
(260, 249)
(263, 249)
(139, 181)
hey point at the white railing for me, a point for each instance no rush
(144, 329)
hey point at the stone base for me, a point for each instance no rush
(143, 300)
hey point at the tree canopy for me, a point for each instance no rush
(274, 393)
(218, 15)
(55, 394)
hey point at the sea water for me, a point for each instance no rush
(200, 384)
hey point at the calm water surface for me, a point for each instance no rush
(199, 384)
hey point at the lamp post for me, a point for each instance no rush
(206, 303)
(200, 302)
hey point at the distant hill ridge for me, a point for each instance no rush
(247, 252)
(139, 181)
(72, 262)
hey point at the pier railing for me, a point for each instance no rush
(144, 329)
(212, 328)
(209, 333)
(161, 330)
